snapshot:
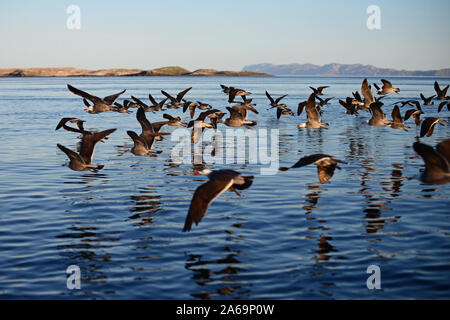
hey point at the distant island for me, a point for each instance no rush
(166, 71)
(337, 69)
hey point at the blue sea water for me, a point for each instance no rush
(286, 237)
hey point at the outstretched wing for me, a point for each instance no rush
(112, 98)
(182, 93)
(84, 94)
(203, 196)
(73, 156)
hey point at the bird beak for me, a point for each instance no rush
(196, 173)
(84, 109)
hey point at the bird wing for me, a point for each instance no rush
(279, 98)
(386, 84)
(427, 127)
(279, 112)
(84, 94)
(311, 111)
(325, 172)
(168, 117)
(300, 108)
(73, 156)
(139, 102)
(152, 100)
(309, 159)
(182, 93)
(437, 89)
(269, 97)
(172, 99)
(203, 196)
(433, 160)
(137, 139)
(89, 142)
(235, 114)
(142, 119)
(444, 149)
(396, 116)
(442, 104)
(367, 92)
(63, 121)
(112, 98)
(409, 113)
(232, 94)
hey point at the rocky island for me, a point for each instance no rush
(120, 72)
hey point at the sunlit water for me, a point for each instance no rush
(286, 237)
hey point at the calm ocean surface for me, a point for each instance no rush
(286, 237)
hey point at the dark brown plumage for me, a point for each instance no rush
(219, 182)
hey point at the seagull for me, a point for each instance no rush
(349, 106)
(63, 121)
(219, 182)
(225, 89)
(397, 120)
(243, 109)
(378, 117)
(274, 103)
(156, 107)
(236, 92)
(285, 111)
(415, 113)
(358, 101)
(442, 104)
(140, 147)
(83, 161)
(236, 119)
(122, 108)
(323, 102)
(427, 101)
(326, 165)
(387, 88)
(200, 123)
(99, 105)
(437, 168)
(174, 122)
(441, 94)
(191, 105)
(318, 91)
(149, 132)
(367, 94)
(409, 103)
(428, 124)
(312, 114)
(176, 101)
(204, 106)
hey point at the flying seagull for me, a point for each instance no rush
(326, 165)
(219, 182)
(99, 105)
(82, 161)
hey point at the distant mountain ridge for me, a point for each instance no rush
(337, 69)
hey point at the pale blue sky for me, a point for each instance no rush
(228, 35)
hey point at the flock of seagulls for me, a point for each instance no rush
(437, 159)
